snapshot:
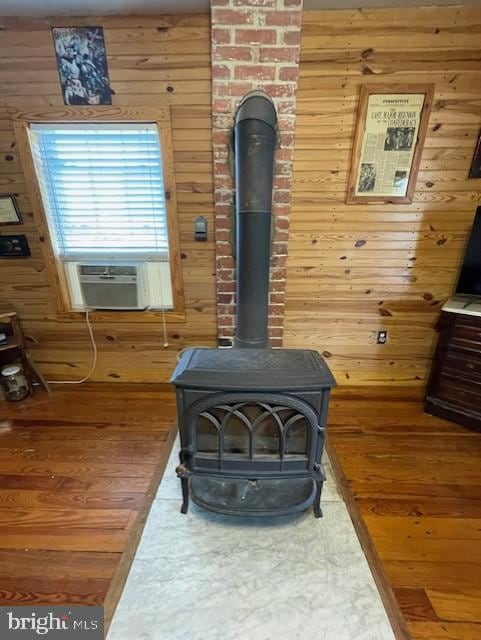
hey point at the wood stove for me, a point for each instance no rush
(252, 419)
(252, 425)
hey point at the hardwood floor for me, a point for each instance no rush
(78, 469)
(416, 483)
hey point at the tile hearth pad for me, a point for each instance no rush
(207, 576)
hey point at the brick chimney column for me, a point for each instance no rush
(255, 45)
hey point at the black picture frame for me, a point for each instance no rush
(16, 216)
(475, 170)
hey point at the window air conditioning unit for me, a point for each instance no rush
(107, 285)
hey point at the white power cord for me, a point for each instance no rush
(94, 346)
(94, 356)
(164, 323)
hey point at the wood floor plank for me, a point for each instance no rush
(428, 550)
(80, 470)
(39, 590)
(56, 564)
(415, 604)
(44, 431)
(90, 451)
(23, 519)
(430, 575)
(421, 507)
(68, 484)
(74, 499)
(387, 425)
(430, 469)
(414, 491)
(406, 444)
(457, 605)
(462, 529)
(94, 540)
(444, 631)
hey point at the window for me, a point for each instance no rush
(102, 189)
(104, 198)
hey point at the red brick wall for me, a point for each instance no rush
(255, 45)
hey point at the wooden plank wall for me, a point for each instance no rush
(151, 59)
(355, 269)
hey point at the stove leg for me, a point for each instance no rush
(185, 495)
(317, 501)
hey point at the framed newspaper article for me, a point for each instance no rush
(390, 131)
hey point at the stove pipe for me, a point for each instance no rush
(255, 139)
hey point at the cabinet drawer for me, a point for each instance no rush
(463, 394)
(465, 365)
(466, 333)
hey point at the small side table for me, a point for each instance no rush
(15, 347)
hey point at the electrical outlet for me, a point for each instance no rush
(382, 337)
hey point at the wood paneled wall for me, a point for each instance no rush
(151, 59)
(355, 269)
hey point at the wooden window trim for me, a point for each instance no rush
(162, 118)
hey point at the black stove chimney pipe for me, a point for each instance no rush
(255, 139)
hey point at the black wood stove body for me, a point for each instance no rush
(252, 419)
(252, 425)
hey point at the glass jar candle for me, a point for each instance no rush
(14, 383)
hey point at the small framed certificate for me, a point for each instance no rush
(9, 214)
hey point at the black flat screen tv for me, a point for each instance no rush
(469, 283)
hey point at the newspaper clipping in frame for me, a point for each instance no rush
(390, 136)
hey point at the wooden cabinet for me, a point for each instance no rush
(454, 388)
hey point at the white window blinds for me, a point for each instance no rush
(103, 190)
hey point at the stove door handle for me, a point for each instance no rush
(182, 471)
